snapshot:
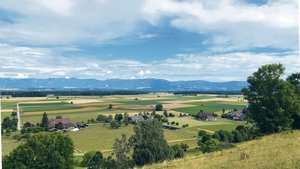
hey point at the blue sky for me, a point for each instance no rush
(218, 40)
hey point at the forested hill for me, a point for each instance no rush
(121, 84)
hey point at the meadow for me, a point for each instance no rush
(277, 151)
(100, 137)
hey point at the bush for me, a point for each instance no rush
(178, 151)
(210, 145)
(159, 107)
(184, 146)
(115, 124)
(171, 115)
(202, 133)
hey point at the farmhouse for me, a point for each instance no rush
(27, 124)
(63, 123)
(237, 115)
(136, 119)
(81, 125)
(206, 116)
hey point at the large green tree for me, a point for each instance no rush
(294, 80)
(42, 151)
(272, 101)
(149, 145)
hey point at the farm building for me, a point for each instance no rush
(81, 125)
(237, 115)
(206, 116)
(63, 123)
(27, 124)
(136, 119)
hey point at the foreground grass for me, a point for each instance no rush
(278, 151)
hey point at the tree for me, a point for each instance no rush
(294, 80)
(118, 117)
(166, 113)
(178, 151)
(272, 100)
(202, 133)
(115, 124)
(159, 107)
(92, 160)
(149, 145)
(121, 149)
(110, 106)
(210, 145)
(42, 151)
(13, 114)
(45, 120)
(109, 118)
(58, 117)
(184, 146)
(96, 161)
(9, 124)
(126, 118)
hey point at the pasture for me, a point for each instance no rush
(100, 137)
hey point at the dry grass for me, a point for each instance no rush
(278, 151)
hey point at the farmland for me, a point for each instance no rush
(100, 137)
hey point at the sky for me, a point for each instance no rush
(214, 40)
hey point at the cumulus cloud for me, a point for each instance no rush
(228, 24)
(232, 24)
(26, 62)
(66, 21)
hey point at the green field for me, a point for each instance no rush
(48, 107)
(212, 106)
(99, 137)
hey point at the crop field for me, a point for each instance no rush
(100, 137)
(213, 106)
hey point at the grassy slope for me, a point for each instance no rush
(277, 151)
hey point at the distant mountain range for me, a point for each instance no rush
(121, 84)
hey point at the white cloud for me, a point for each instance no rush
(144, 73)
(228, 24)
(67, 21)
(232, 24)
(147, 36)
(26, 62)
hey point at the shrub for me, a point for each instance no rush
(178, 151)
(210, 145)
(202, 133)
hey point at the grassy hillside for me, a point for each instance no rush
(278, 151)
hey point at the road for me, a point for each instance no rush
(19, 117)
